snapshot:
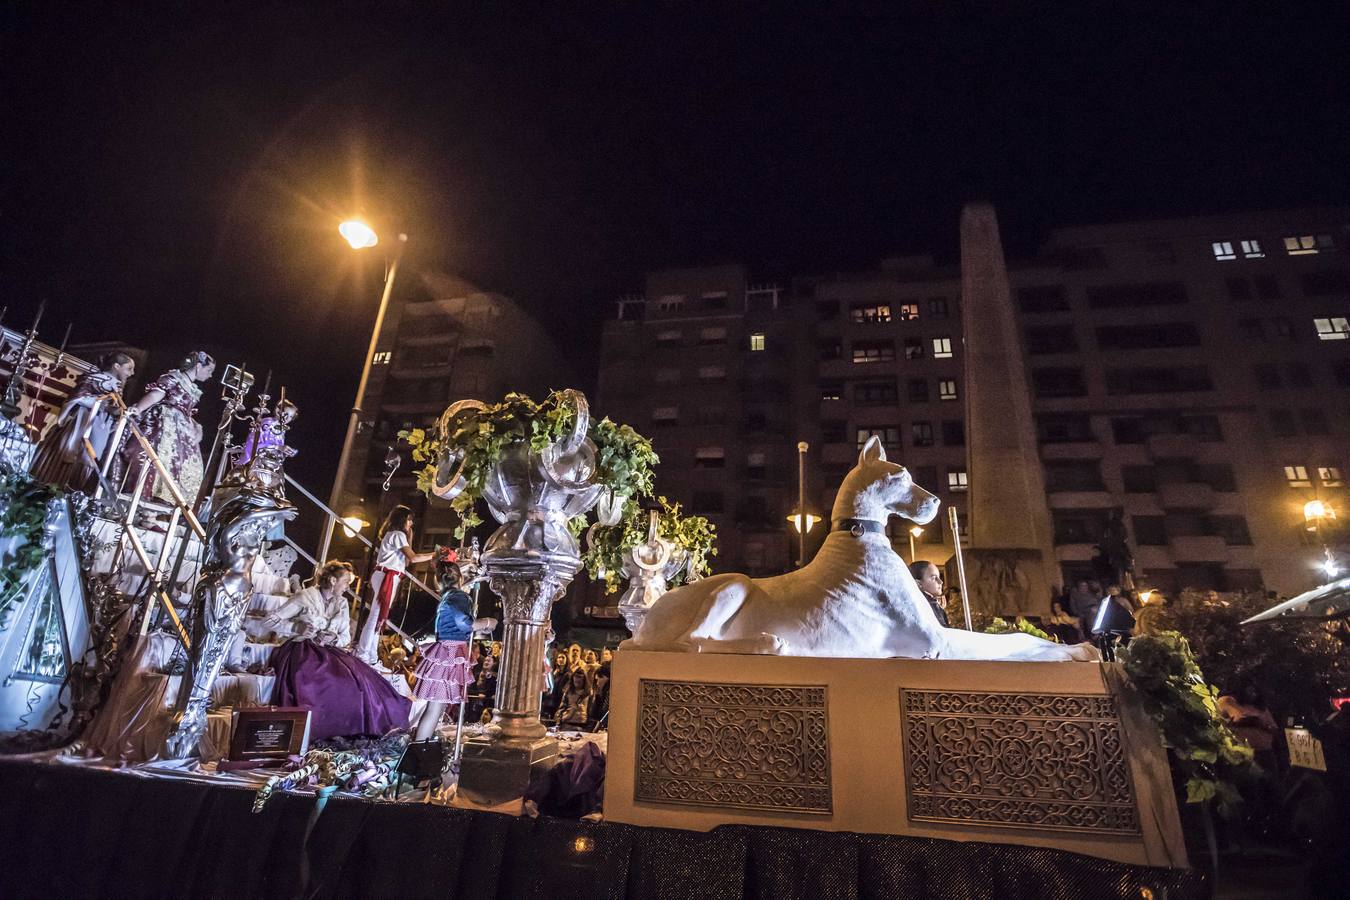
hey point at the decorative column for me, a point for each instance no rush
(528, 590)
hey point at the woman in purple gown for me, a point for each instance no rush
(348, 697)
(166, 417)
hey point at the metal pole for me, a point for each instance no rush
(802, 447)
(354, 421)
(911, 546)
(960, 566)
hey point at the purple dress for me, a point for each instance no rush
(172, 430)
(348, 697)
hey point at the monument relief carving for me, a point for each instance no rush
(750, 746)
(1045, 761)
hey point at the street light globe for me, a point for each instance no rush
(358, 234)
(796, 520)
(916, 531)
(351, 525)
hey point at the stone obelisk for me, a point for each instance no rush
(1010, 564)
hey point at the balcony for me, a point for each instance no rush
(1186, 495)
(1198, 548)
(1080, 499)
(1172, 446)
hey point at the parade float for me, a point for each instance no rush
(826, 700)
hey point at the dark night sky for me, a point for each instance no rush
(175, 180)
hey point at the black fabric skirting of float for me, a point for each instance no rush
(75, 832)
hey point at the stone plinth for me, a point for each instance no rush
(1039, 754)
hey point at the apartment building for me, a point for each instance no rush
(442, 340)
(1189, 373)
(707, 364)
(1193, 373)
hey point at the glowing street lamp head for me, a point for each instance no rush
(352, 524)
(916, 531)
(358, 234)
(796, 520)
(1314, 509)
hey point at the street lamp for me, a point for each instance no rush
(352, 525)
(913, 533)
(1316, 514)
(796, 520)
(360, 236)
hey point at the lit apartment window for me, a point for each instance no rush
(1306, 244)
(1336, 328)
(870, 313)
(710, 458)
(957, 480)
(382, 357)
(712, 336)
(712, 373)
(667, 376)
(909, 312)
(1251, 249)
(922, 434)
(1223, 250)
(757, 341)
(946, 390)
(942, 348)
(873, 351)
(665, 415)
(671, 303)
(889, 434)
(1330, 476)
(669, 336)
(831, 392)
(1297, 476)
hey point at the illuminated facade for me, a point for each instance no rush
(1192, 373)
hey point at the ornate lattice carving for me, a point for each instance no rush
(1046, 761)
(750, 746)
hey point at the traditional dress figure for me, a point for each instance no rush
(318, 612)
(62, 458)
(393, 555)
(166, 417)
(443, 673)
(348, 697)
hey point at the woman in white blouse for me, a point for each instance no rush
(393, 555)
(319, 612)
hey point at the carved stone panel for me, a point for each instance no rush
(1046, 761)
(740, 746)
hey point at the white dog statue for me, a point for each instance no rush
(855, 599)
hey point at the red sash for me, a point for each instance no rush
(386, 595)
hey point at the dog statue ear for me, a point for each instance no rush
(872, 450)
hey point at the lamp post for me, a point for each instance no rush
(360, 236)
(802, 520)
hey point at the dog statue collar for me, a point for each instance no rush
(859, 527)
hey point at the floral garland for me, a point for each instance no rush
(607, 544)
(23, 513)
(624, 458)
(1020, 624)
(1175, 694)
